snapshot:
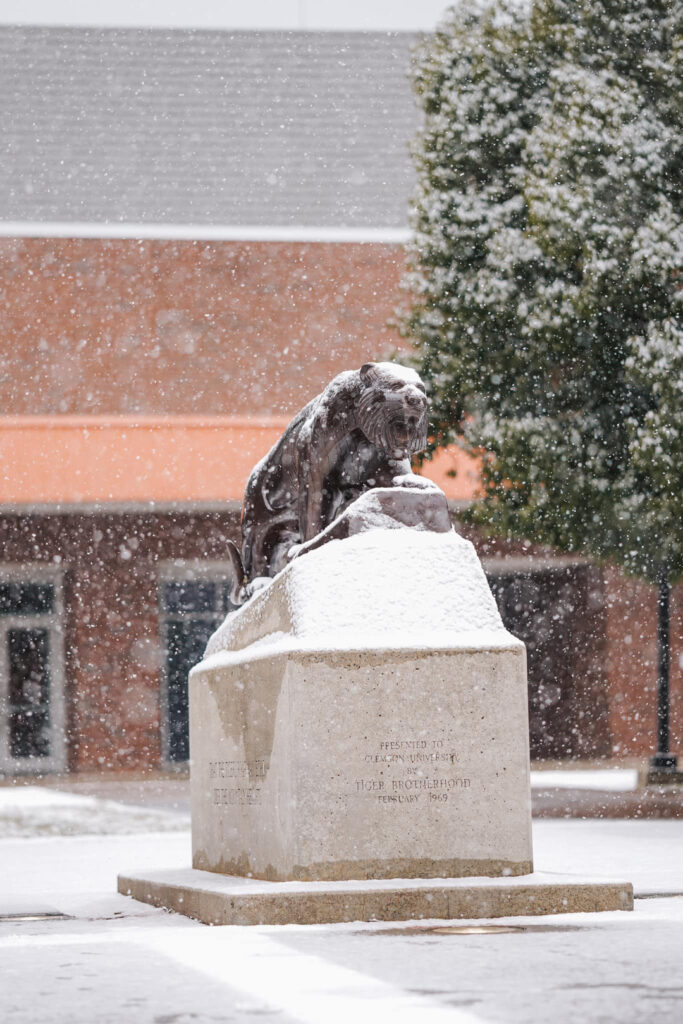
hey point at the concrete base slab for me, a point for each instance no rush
(224, 899)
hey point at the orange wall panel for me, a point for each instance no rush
(94, 459)
(97, 459)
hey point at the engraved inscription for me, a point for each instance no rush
(237, 769)
(430, 783)
(407, 771)
(240, 797)
(402, 798)
(241, 782)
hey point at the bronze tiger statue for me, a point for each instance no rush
(359, 433)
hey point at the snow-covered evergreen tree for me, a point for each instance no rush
(546, 267)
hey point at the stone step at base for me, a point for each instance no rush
(227, 900)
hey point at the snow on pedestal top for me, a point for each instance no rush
(383, 589)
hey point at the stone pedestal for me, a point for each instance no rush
(359, 741)
(364, 717)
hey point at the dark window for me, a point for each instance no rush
(186, 643)
(26, 598)
(193, 610)
(190, 596)
(558, 615)
(29, 692)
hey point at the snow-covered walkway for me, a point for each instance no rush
(114, 961)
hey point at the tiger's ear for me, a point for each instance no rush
(366, 369)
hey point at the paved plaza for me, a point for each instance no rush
(72, 949)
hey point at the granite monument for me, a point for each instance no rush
(358, 725)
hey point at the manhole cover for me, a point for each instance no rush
(448, 929)
(37, 916)
(476, 929)
(657, 895)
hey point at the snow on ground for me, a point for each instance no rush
(613, 779)
(622, 968)
(27, 811)
(648, 853)
(116, 961)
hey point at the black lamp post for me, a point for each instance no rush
(663, 764)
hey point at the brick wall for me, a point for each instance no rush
(114, 657)
(631, 607)
(119, 326)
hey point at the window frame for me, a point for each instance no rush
(53, 623)
(178, 571)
